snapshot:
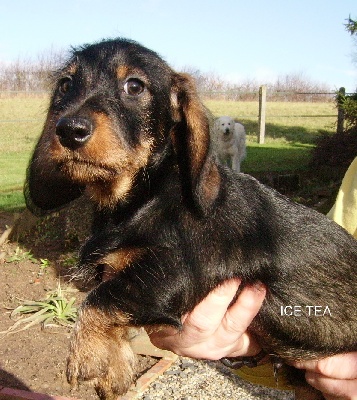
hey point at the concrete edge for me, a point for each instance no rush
(150, 376)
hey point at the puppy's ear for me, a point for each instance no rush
(191, 137)
(46, 188)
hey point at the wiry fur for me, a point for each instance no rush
(172, 223)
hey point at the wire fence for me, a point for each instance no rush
(271, 95)
(268, 96)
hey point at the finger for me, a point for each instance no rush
(207, 316)
(238, 318)
(336, 388)
(240, 315)
(201, 323)
(341, 366)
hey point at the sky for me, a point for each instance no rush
(236, 40)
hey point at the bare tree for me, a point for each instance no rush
(30, 75)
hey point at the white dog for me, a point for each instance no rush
(230, 139)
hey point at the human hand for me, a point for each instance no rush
(212, 330)
(335, 377)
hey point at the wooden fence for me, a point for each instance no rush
(263, 95)
(262, 111)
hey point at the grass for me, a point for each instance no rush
(21, 255)
(276, 158)
(286, 122)
(54, 310)
(21, 120)
(291, 129)
(13, 170)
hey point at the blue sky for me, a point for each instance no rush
(235, 39)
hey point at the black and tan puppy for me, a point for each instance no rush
(171, 223)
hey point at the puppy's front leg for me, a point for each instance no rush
(100, 352)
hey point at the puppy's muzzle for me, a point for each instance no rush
(73, 132)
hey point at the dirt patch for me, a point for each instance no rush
(35, 359)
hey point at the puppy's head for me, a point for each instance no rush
(224, 127)
(116, 107)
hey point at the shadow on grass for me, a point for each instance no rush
(276, 158)
(12, 200)
(290, 134)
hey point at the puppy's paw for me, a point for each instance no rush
(106, 361)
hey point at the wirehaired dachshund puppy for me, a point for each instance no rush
(171, 223)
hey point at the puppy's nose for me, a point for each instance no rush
(73, 132)
(227, 131)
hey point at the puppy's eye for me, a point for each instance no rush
(134, 87)
(65, 85)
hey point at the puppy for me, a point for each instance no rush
(171, 224)
(231, 142)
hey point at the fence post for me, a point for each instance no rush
(262, 107)
(340, 111)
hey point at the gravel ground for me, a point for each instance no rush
(189, 379)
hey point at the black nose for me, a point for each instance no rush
(73, 132)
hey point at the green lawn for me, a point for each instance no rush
(13, 169)
(21, 120)
(291, 129)
(286, 122)
(276, 157)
